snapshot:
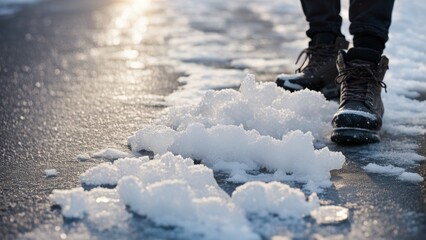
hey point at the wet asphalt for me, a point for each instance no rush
(66, 90)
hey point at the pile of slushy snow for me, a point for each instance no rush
(173, 191)
(256, 127)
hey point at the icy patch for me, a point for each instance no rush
(330, 214)
(50, 172)
(83, 157)
(411, 177)
(263, 199)
(110, 154)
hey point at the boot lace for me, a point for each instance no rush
(355, 81)
(316, 56)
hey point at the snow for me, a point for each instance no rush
(109, 173)
(411, 177)
(394, 171)
(50, 172)
(261, 106)
(228, 131)
(146, 187)
(388, 170)
(110, 154)
(274, 198)
(221, 146)
(83, 157)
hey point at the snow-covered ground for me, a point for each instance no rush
(261, 136)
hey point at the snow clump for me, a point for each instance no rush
(394, 171)
(263, 107)
(228, 130)
(172, 191)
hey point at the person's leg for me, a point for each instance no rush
(326, 40)
(370, 22)
(324, 20)
(361, 73)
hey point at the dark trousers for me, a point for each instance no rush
(370, 18)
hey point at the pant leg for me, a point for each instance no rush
(371, 17)
(323, 16)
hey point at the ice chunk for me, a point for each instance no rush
(411, 177)
(83, 157)
(330, 214)
(50, 172)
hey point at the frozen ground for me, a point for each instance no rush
(267, 167)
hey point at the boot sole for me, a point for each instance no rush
(330, 91)
(354, 136)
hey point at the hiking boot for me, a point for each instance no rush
(359, 118)
(320, 72)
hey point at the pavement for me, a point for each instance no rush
(68, 87)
